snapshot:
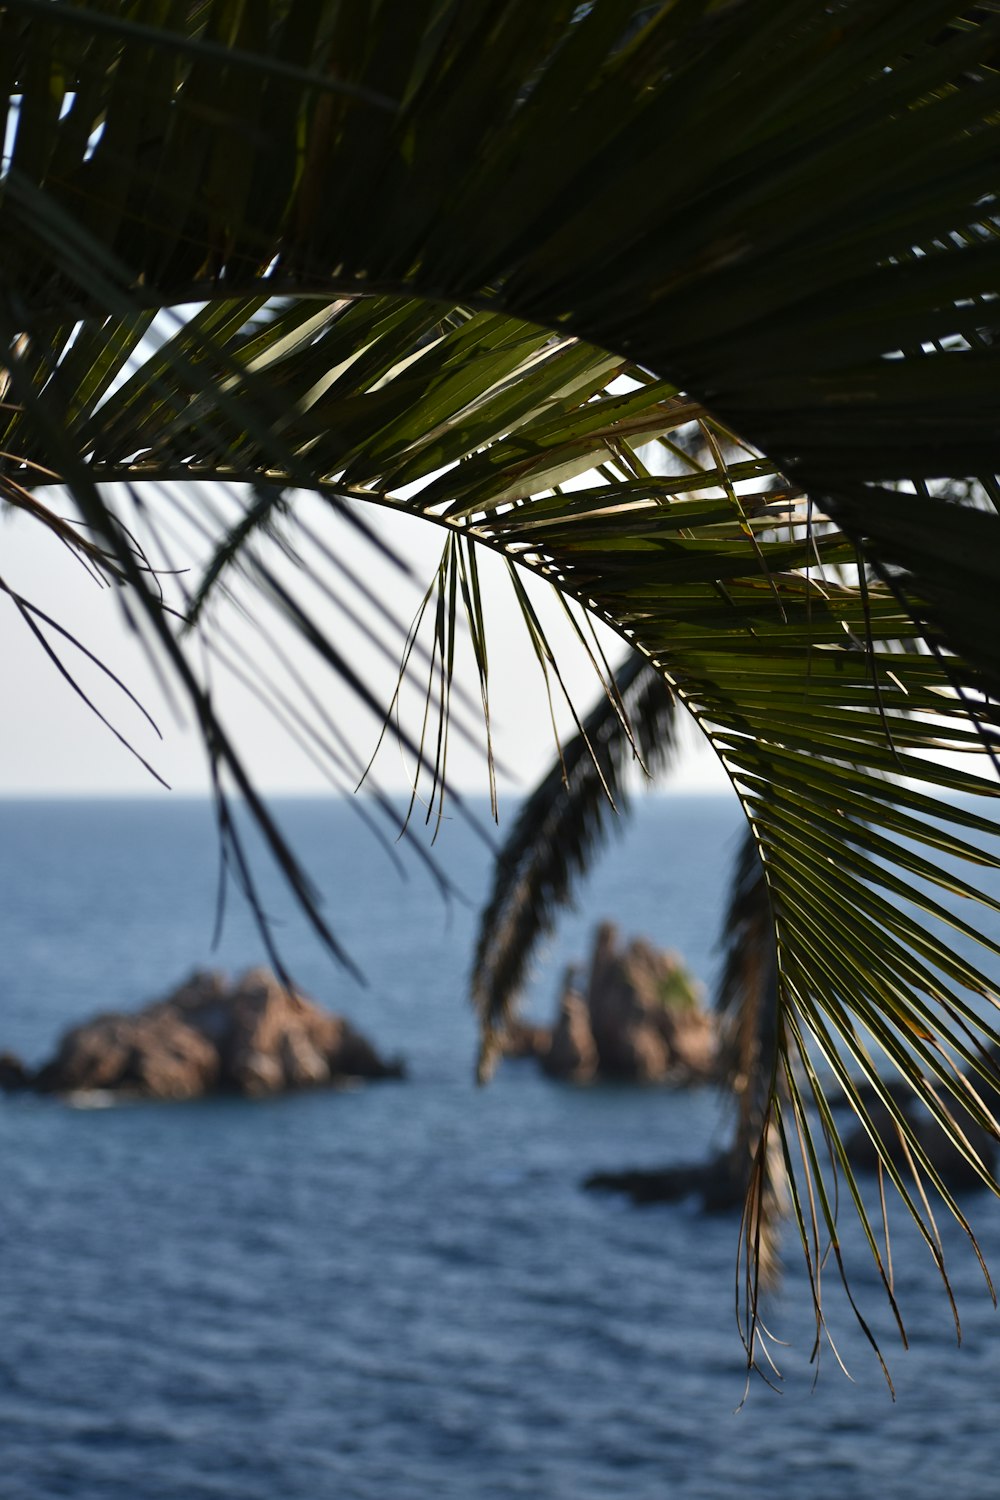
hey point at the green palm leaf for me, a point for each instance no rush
(424, 245)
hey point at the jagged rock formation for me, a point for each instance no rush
(572, 1051)
(250, 1037)
(640, 1019)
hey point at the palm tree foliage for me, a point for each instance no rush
(560, 829)
(450, 259)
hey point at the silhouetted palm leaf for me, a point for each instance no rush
(559, 829)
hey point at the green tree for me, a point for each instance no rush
(450, 259)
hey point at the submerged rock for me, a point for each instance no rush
(250, 1037)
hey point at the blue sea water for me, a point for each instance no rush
(401, 1291)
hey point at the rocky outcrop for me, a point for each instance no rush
(953, 1167)
(721, 1183)
(251, 1037)
(526, 1039)
(716, 1184)
(639, 1019)
(646, 1012)
(14, 1076)
(155, 1055)
(572, 1051)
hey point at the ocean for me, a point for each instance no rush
(401, 1290)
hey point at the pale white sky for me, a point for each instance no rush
(53, 744)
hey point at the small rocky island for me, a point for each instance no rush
(250, 1036)
(638, 1017)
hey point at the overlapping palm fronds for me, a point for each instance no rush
(414, 247)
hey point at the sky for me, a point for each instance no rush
(53, 744)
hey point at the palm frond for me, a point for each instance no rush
(559, 829)
(423, 245)
(749, 1071)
